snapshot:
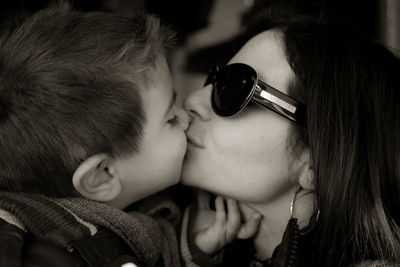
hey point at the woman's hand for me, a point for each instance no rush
(214, 229)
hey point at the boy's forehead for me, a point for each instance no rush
(159, 92)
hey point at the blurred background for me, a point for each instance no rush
(207, 28)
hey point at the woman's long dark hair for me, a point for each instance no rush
(351, 87)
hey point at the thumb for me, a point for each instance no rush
(250, 227)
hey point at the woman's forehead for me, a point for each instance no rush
(265, 52)
(265, 45)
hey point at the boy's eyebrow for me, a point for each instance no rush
(171, 102)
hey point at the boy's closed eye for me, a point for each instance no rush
(174, 120)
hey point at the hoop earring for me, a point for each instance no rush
(293, 200)
(286, 254)
(316, 214)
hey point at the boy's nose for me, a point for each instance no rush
(198, 104)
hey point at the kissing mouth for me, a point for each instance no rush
(194, 142)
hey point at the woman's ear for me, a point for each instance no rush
(306, 178)
(95, 179)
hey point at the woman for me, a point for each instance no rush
(303, 127)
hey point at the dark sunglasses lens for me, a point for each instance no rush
(232, 88)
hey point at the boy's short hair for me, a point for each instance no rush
(70, 88)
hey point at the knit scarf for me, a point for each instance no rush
(148, 231)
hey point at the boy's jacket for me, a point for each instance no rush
(80, 232)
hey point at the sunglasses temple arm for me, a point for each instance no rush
(280, 103)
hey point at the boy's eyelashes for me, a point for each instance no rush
(174, 120)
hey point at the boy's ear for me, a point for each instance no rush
(306, 178)
(95, 179)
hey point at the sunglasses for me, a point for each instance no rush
(235, 85)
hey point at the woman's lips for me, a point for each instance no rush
(194, 142)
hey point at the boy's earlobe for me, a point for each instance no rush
(95, 179)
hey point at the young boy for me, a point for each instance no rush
(88, 126)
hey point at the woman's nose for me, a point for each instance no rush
(183, 118)
(198, 104)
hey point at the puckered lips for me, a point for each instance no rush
(193, 141)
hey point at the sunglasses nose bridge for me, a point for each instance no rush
(212, 75)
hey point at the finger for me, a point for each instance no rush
(246, 211)
(233, 223)
(220, 215)
(250, 227)
(233, 215)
